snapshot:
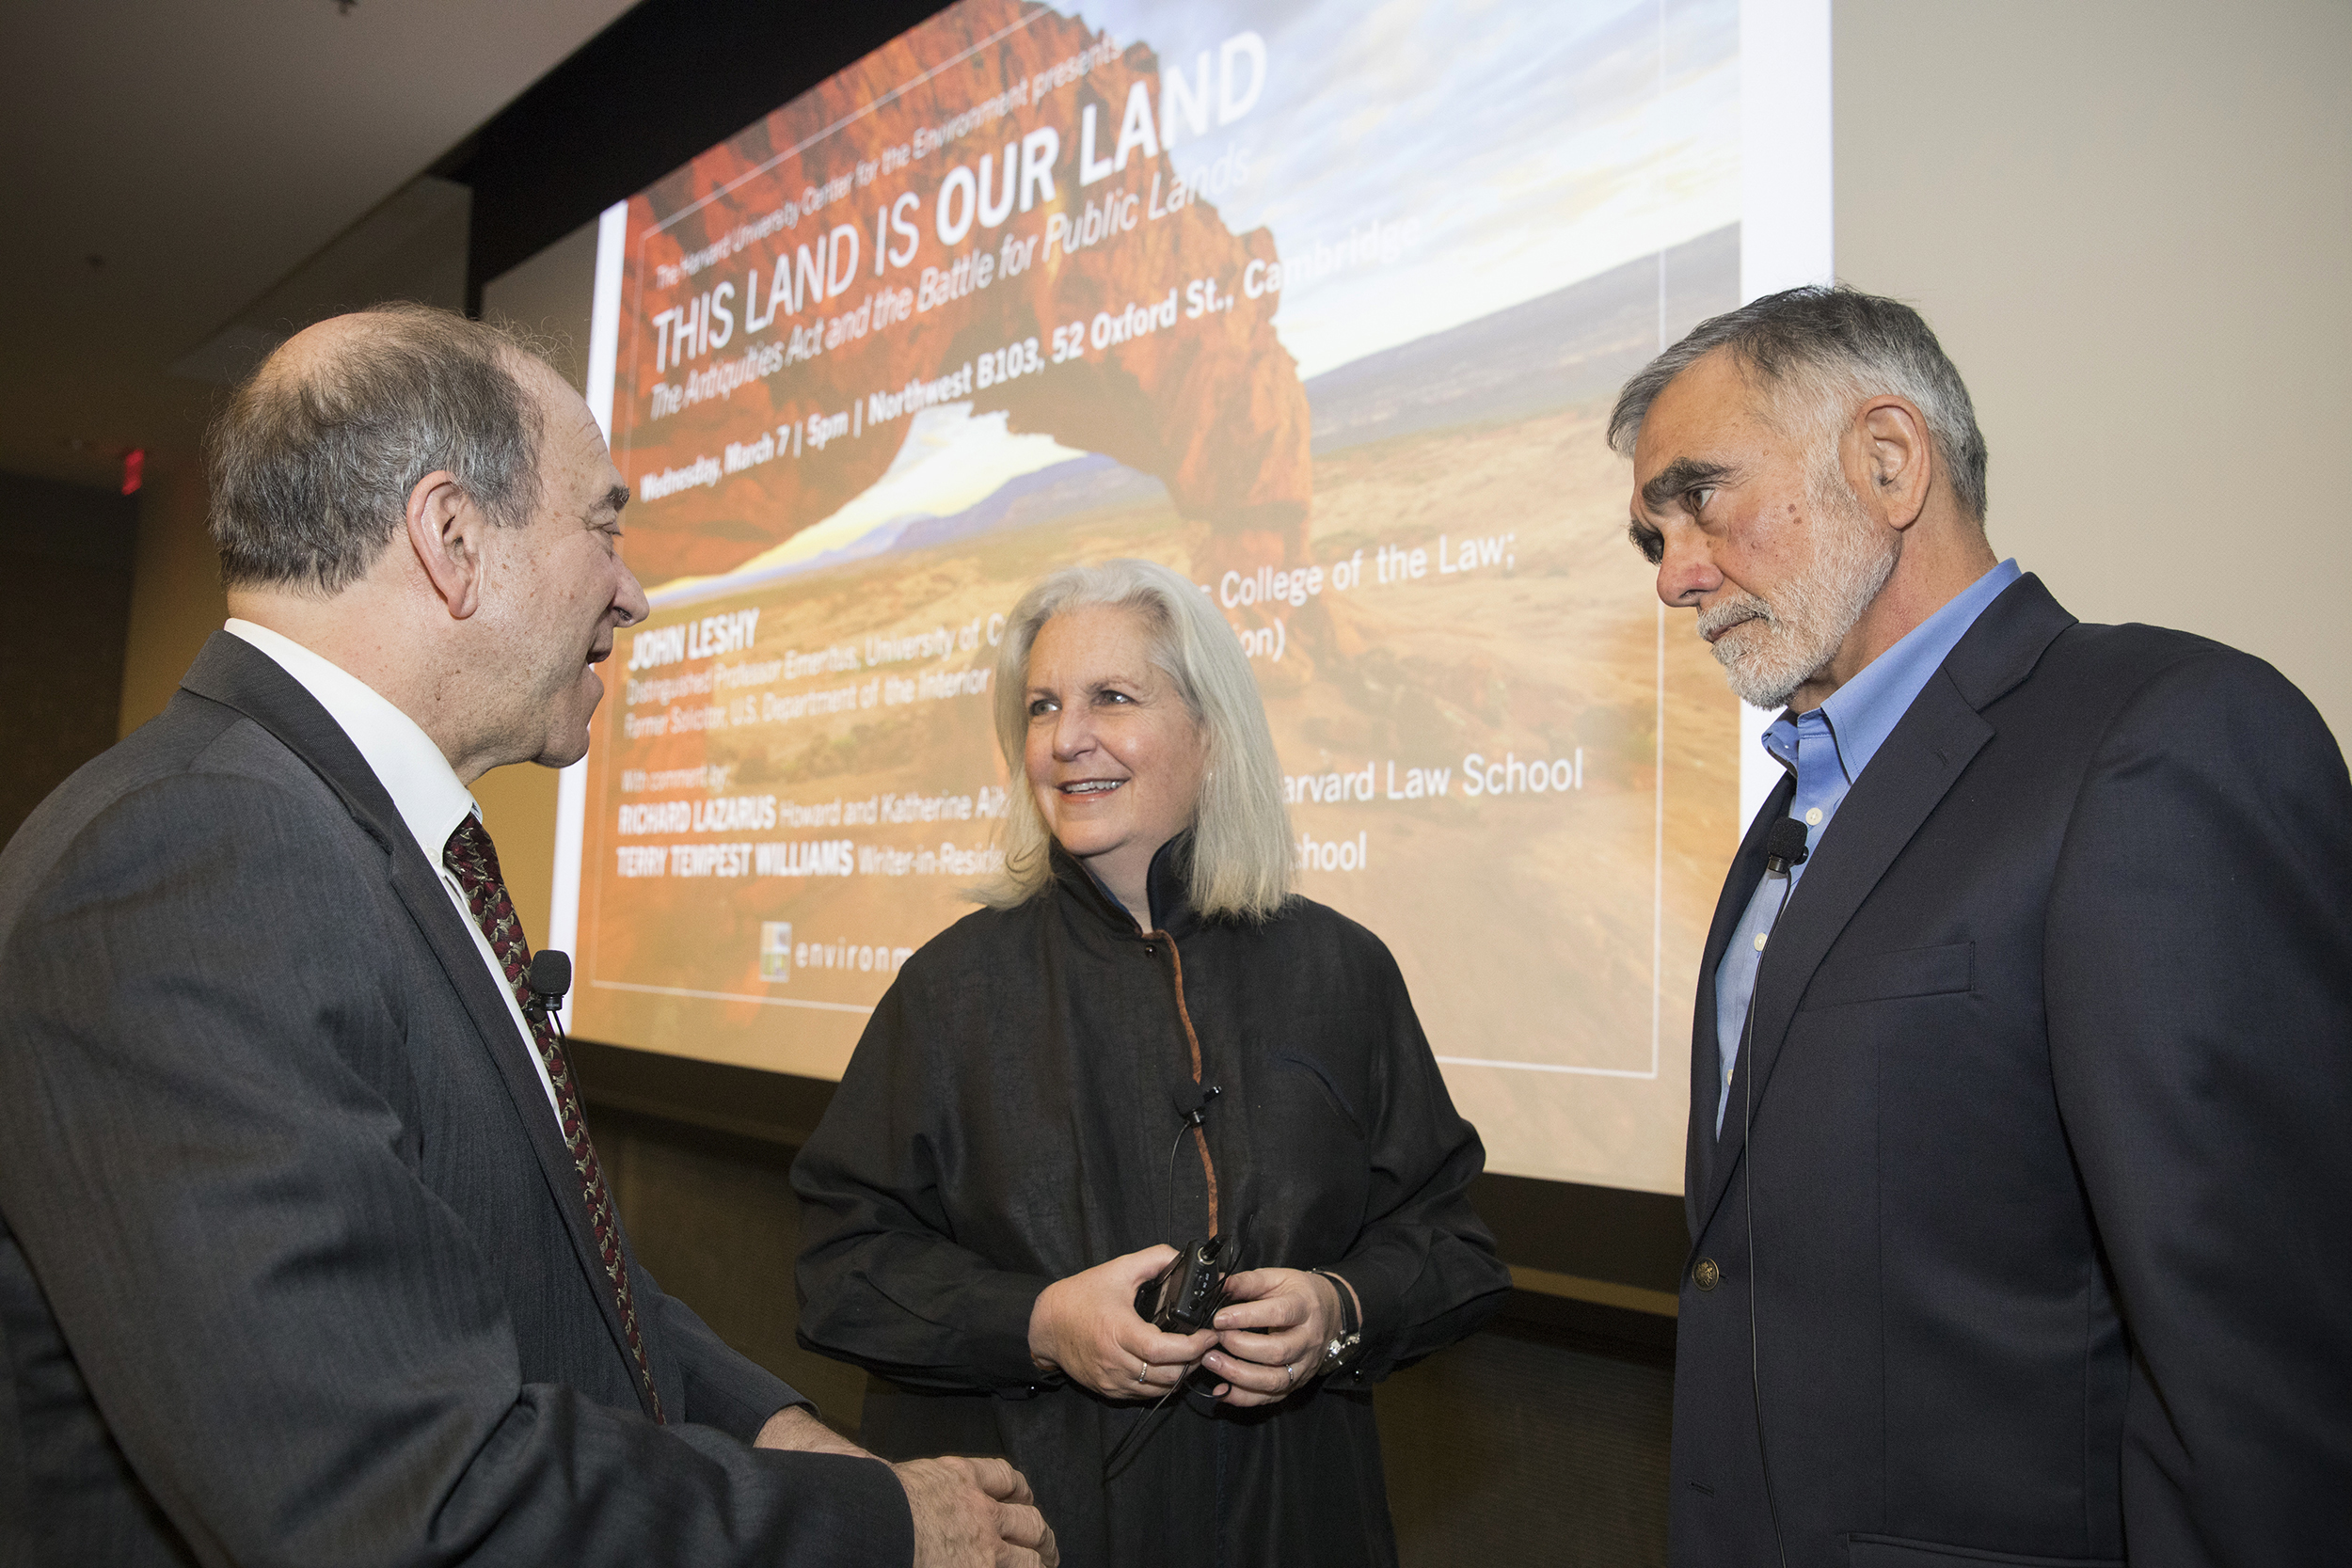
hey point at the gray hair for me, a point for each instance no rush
(1836, 346)
(1242, 854)
(312, 463)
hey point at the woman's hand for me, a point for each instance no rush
(1086, 1327)
(1271, 1339)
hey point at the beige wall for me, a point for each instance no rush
(547, 296)
(2131, 223)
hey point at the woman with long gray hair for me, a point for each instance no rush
(1145, 1040)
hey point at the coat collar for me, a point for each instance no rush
(1166, 881)
(238, 675)
(1928, 750)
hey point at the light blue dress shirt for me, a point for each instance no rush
(1827, 750)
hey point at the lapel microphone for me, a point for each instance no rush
(1784, 847)
(548, 978)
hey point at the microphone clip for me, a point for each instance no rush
(1785, 846)
(548, 980)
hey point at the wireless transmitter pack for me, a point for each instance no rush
(1185, 1296)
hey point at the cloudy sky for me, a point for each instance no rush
(1537, 143)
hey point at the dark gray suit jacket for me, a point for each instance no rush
(294, 1266)
(2051, 1151)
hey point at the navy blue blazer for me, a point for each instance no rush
(2051, 1157)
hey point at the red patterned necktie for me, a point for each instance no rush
(474, 860)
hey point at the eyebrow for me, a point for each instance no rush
(1091, 688)
(1679, 478)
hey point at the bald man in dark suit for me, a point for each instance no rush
(305, 1253)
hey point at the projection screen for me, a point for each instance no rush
(1322, 305)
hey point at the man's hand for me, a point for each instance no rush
(968, 1512)
(793, 1427)
(1086, 1327)
(974, 1514)
(1270, 1340)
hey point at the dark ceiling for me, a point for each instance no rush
(666, 81)
(189, 180)
(167, 163)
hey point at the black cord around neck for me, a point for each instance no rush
(1747, 1152)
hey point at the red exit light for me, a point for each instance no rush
(134, 468)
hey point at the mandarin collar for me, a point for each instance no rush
(1165, 884)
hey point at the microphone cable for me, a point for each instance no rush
(1783, 851)
(1189, 1120)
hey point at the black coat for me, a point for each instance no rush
(1007, 1121)
(2052, 1056)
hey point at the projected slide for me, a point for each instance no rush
(1322, 305)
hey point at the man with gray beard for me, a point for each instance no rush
(2018, 1165)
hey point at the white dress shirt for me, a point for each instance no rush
(424, 788)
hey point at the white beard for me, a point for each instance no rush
(1773, 648)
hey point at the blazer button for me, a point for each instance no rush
(1704, 1273)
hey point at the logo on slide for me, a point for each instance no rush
(775, 950)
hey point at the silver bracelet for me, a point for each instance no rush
(1350, 1339)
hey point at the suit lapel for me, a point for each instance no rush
(1937, 738)
(444, 931)
(1911, 772)
(231, 672)
(1701, 1154)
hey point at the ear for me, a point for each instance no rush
(1897, 456)
(445, 530)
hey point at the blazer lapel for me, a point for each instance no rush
(236, 674)
(1911, 772)
(1701, 1155)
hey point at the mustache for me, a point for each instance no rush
(1721, 617)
